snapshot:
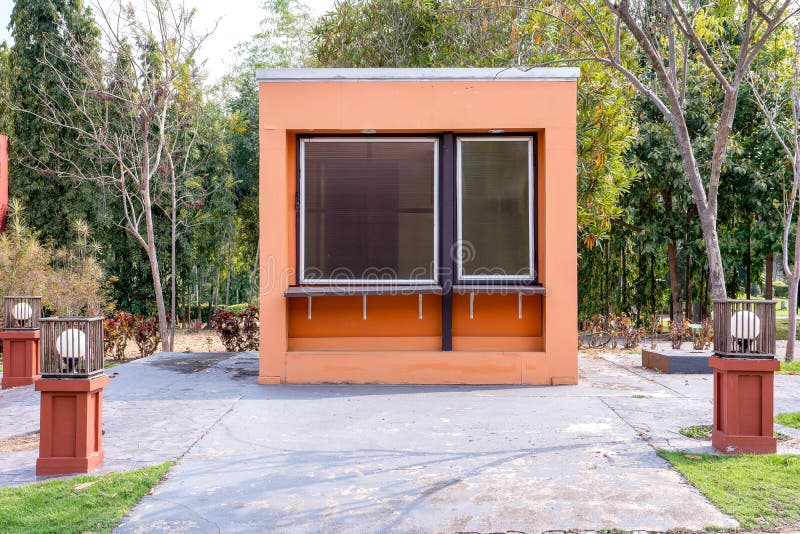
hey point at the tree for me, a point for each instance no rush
(783, 115)
(43, 32)
(195, 137)
(122, 113)
(69, 279)
(470, 33)
(668, 36)
(6, 124)
(281, 42)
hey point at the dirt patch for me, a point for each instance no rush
(203, 341)
(189, 364)
(23, 442)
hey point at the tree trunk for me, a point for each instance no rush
(253, 276)
(770, 261)
(791, 335)
(676, 313)
(748, 261)
(716, 275)
(228, 277)
(152, 255)
(623, 283)
(173, 284)
(215, 296)
(197, 294)
(653, 283)
(687, 276)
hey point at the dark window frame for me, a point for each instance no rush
(300, 209)
(500, 281)
(446, 213)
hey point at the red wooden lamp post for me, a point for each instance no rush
(20, 338)
(72, 383)
(744, 366)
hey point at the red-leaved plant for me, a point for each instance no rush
(117, 330)
(146, 335)
(238, 331)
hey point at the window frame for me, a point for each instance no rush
(301, 207)
(533, 248)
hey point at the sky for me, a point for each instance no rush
(238, 19)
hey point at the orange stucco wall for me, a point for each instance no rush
(393, 344)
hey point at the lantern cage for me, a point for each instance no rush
(21, 313)
(71, 347)
(744, 329)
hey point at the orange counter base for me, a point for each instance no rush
(71, 439)
(20, 357)
(420, 367)
(743, 405)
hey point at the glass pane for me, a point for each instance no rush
(369, 210)
(495, 209)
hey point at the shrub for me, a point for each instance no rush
(631, 336)
(117, 330)
(70, 279)
(705, 336)
(238, 308)
(146, 335)
(237, 331)
(678, 333)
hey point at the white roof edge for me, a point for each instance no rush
(421, 74)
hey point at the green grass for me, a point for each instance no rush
(80, 504)
(782, 329)
(760, 491)
(789, 368)
(704, 432)
(696, 432)
(791, 419)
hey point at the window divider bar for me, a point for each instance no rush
(447, 194)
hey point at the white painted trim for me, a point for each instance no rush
(302, 234)
(459, 210)
(543, 74)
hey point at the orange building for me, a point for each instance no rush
(418, 226)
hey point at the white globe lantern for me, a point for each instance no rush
(22, 311)
(745, 325)
(71, 343)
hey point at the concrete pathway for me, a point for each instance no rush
(398, 458)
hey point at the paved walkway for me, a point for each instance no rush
(398, 458)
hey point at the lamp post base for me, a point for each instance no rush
(20, 358)
(743, 405)
(71, 439)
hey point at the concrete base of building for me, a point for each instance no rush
(677, 361)
(424, 367)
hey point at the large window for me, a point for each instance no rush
(368, 210)
(495, 220)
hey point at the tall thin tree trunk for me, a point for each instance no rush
(173, 241)
(688, 278)
(791, 335)
(215, 296)
(676, 311)
(228, 277)
(748, 262)
(653, 283)
(152, 255)
(253, 277)
(623, 286)
(770, 267)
